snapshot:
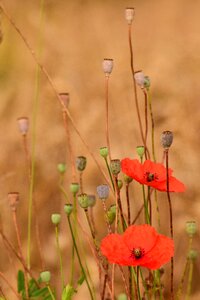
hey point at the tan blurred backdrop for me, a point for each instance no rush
(76, 36)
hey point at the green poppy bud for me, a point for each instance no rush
(61, 168)
(104, 152)
(127, 179)
(103, 191)
(111, 215)
(192, 255)
(191, 228)
(91, 200)
(74, 188)
(122, 296)
(68, 208)
(140, 151)
(81, 162)
(45, 276)
(55, 218)
(115, 166)
(119, 183)
(166, 139)
(83, 200)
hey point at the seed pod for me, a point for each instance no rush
(166, 139)
(61, 168)
(13, 199)
(192, 255)
(127, 179)
(129, 14)
(83, 201)
(191, 228)
(23, 124)
(119, 183)
(147, 82)
(74, 188)
(56, 218)
(68, 208)
(91, 200)
(115, 166)
(104, 151)
(139, 78)
(107, 66)
(81, 162)
(111, 214)
(64, 97)
(45, 276)
(103, 191)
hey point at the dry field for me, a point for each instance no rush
(75, 37)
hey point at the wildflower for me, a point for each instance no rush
(151, 174)
(139, 245)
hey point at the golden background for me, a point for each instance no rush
(75, 37)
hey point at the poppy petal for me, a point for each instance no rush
(143, 236)
(132, 168)
(174, 185)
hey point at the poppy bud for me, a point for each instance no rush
(83, 200)
(91, 200)
(23, 124)
(119, 183)
(192, 255)
(107, 66)
(129, 14)
(68, 208)
(61, 168)
(74, 188)
(127, 179)
(111, 214)
(81, 162)
(115, 166)
(56, 218)
(103, 191)
(45, 276)
(166, 139)
(104, 151)
(64, 97)
(122, 296)
(191, 228)
(139, 78)
(13, 198)
(140, 151)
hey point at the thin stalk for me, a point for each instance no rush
(146, 212)
(59, 255)
(138, 283)
(107, 116)
(81, 182)
(189, 286)
(138, 214)
(134, 275)
(119, 204)
(51, 83)
(146, 122)
(157, 208)
(50, 292)
(150, 205)
(34, 117)
(125, 284)
(105, 211)
(79, 259)
(128, 204)
(110, 175)
(10, 286)
(144, 285)
(171, 222)
(75, 235)
(130, 281)
(152, 125)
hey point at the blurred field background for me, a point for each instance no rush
(75, 37)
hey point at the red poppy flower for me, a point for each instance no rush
(139, 245)
(151, 174)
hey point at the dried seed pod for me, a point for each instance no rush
(107, 66)
(91, 200)
(81, 162)
(115, 166)
(139, 78)
(129, 14)
(83, 200)
(127, 179)
(64, 97)
(13, 199)
(166, 139)
(23, 124)
(103, 191)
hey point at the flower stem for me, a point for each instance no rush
(50, 292)
(79, 259)
(107, 116)
(152, 125)
(189, 286)
(128, 204)
(110, 175)
(59, 254)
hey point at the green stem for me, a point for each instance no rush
(50, 292)
(145, 285)
(75, 235)
(79, 259)
(189, 286)
(34, 117)
(138, 284)
(152, 125)
(110, 175)
(146, 213)
(59, 254)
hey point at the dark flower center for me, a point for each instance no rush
(150, 176)
(137, 253)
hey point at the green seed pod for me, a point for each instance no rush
(140, 151)
(83, 200)
(119, 183)
(61, 168)
(127, 179)
(104, 152)
(111, 215)
(166, 139)
(68, 208)
(191, 228)
(81, 162)
(91, 200)
(115, 166)
(192, 255)
(113, 208)
(103, 191)
(45, 276)
(147, 82)
(74, 188)
(55, 218)
(122, 296)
